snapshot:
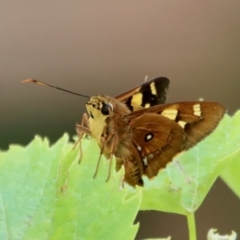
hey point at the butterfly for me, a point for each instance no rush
(141, 131)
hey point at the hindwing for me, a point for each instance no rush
(160, 132)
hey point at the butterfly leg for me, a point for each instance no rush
(115, 140)
(82, 129)
(113, 137)
(100, 155)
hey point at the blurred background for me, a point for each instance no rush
(95, 47)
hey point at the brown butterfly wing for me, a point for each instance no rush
(199, 119)
(150, 93)
(158, 140)
(163, 131)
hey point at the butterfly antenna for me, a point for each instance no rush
(48, 85)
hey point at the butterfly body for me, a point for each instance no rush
(113, 127)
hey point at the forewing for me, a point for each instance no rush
(150, 93)
(197, 119)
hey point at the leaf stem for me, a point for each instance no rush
(191, 226)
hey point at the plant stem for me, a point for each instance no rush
(191, 226)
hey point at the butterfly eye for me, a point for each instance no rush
(106, 108)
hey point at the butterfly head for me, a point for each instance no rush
(99, 107)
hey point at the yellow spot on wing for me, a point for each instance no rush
(182, 123)
(170, 113)
(136, 99)
(147, 105)
(197, 110)
(153, 88)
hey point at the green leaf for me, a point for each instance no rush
(231, 173)
(231, 176)
(183, 185)
(28, 189)
(46, 194)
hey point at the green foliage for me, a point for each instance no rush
(183, 185)
(46, 194)
(231, 174)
